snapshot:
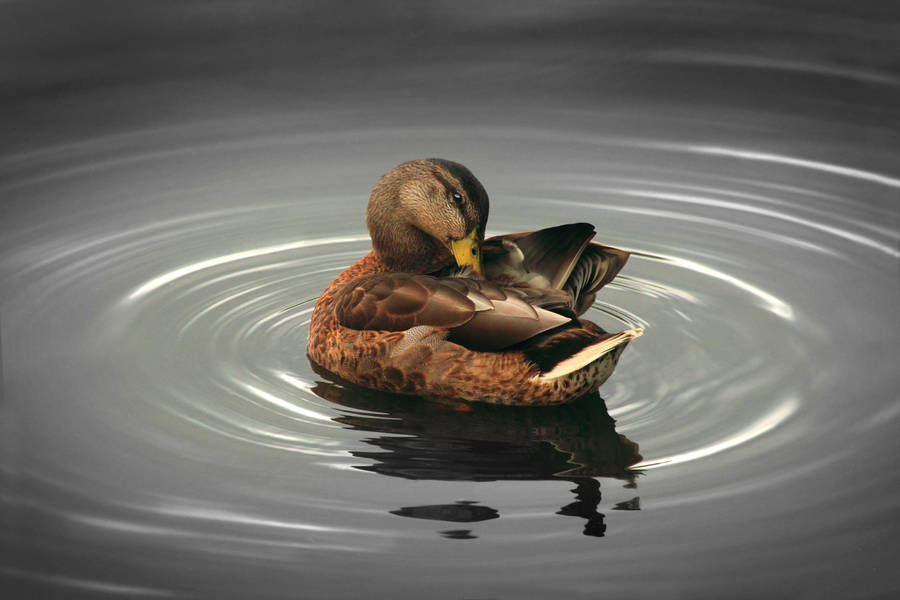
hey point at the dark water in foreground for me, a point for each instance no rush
(163, 434)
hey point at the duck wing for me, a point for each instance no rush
(543, 258)
(561, 257)
(480, 315)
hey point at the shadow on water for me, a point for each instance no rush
(426, 440)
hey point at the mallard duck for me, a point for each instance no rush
(436, 310)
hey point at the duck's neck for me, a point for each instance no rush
(369, 264)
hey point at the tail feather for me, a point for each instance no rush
(590, 353)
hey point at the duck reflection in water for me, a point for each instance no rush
(444, 441)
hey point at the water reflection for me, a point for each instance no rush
(463, 511)
(587, 497)
(447, 441)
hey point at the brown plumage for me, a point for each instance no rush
(438, 311)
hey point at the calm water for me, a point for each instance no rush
(178, 185)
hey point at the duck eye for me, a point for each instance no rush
(457, 197)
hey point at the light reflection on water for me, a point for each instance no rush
(163, 433)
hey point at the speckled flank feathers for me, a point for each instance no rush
(433, 366)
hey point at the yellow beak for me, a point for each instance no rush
(467, 252)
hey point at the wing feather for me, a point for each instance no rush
(562, 258)
(479, 315)
(597, 266)
(544, 258)
(398, 301)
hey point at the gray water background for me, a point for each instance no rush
(179, 180)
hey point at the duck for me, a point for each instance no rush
(436, 310)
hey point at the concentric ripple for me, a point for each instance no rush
(161, 401)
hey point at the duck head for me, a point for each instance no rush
(427, 215)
